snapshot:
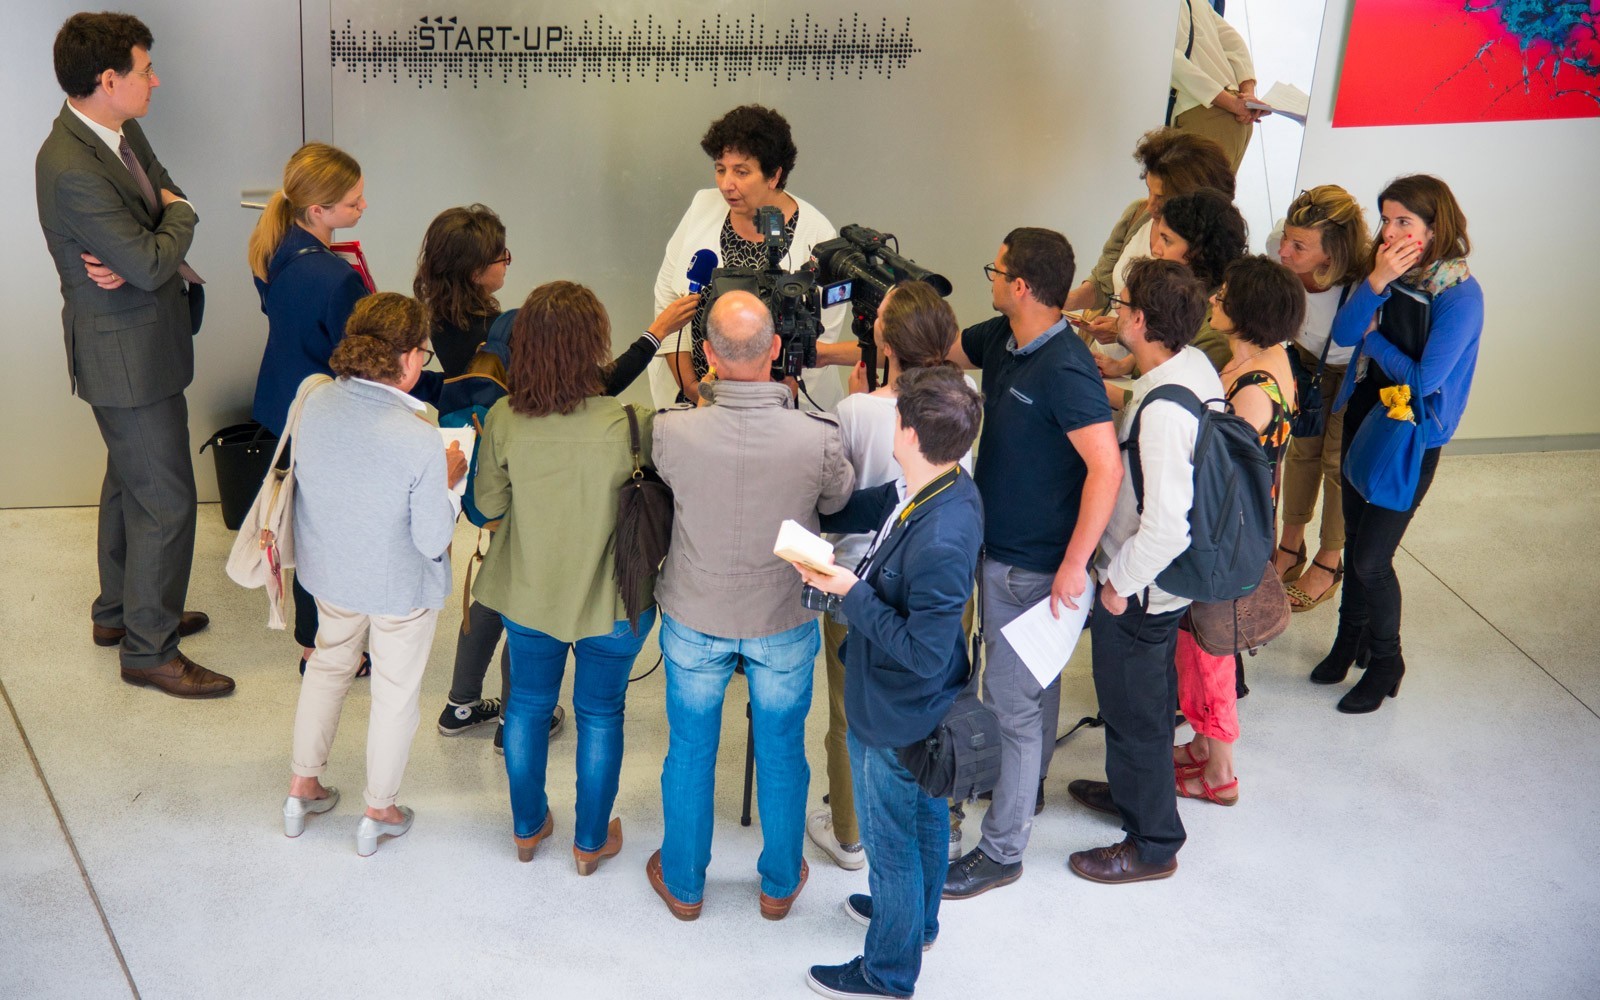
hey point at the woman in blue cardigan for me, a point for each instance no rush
(307, 292)
(1416, 321)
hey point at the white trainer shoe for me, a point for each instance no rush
(819, 827)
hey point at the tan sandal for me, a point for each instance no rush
(1298, 566)
(1299, 600)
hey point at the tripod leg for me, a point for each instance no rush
(749, 764)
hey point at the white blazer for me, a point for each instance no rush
(700, 229)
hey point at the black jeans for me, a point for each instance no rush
(474, 650)
(1371, 599)
(1136, 680)
(305, 615)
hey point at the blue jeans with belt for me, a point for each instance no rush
(906, 833)
(779, 670)
(599, 690)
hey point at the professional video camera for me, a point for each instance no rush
(860, 268)
(791, 297)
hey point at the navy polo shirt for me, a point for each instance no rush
(1030, 476)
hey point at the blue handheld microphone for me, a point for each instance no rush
(700, 267)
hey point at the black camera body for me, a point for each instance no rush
(792, 300)
(828, 604)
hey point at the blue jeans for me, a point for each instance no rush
(906, 833)
(779, 669)
(599, 689)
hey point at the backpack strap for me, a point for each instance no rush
(1180, 394)
(633, 440)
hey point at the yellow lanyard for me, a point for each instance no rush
(925, 496)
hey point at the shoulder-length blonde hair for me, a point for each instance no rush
(317, 174)
(1335, 216)
(560, 345)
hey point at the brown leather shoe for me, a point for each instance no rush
(527, 845)
(181, 677)
(680, 909)
(189, 623)
(588, 861)
(1094, 795)
(777, 909)
(1117, 864)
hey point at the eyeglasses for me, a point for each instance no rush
(148, 72)
(1118, 301)
(427, 356)
(504, 258)
(1219, 298)
(989, 271)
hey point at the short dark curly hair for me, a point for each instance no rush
(89, 44)
(1216, 232)
(1171, 298)
(1265, 300)
(754, 131)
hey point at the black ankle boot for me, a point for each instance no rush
(1344, 654)
(1382, 680)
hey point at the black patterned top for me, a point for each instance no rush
(736, 252)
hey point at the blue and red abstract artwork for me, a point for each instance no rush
(1420, 62)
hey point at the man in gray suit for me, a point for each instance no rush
(118, 229)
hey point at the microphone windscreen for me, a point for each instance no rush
(700, 267)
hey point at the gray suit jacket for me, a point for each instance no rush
(132, 345)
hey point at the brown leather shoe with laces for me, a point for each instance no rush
(1117, 864)
(777, 909)
(181, 677)
(188, 624)
(1094, 795)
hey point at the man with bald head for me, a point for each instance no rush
(739, 466)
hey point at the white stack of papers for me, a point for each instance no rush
(1284, 99)
(799, 546)
(466, 437)
(1045, 642)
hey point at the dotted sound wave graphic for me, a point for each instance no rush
(438, 50)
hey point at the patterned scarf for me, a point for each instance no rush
(1438, 276)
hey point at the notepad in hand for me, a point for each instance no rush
(797, 545)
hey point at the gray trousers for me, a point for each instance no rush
(147, 516)
(474, 649)
(1028, 713)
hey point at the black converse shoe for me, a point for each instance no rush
(457, 719)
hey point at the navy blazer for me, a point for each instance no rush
(905, 656)
(307, 302)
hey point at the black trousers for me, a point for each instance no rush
(474, 650)
(305, 615)
(147, 524)
(1371, 599)
(1136, 681)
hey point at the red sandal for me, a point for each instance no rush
(1206, 791)
(1192, 764)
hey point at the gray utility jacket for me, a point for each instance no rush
(738, 468)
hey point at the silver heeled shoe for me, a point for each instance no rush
(369, 830)
(295, 811)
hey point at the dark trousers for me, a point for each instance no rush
(1136, 681)
(305, 615)
(147, 521)
(474, 649)
(1371, 598)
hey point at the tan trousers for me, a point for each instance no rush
(1310, 461)
(399, 647)
(1220, 127)
(841, 789)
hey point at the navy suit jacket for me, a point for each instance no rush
(905, 656)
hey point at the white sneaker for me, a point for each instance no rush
(819, 827)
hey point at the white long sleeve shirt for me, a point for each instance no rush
(1137, 547)
(1219, 61)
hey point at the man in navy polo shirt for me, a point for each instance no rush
(1048, 471)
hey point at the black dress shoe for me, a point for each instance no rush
(1382, 680)
(189, 623)
(1094, 795)
(977, 873)
(1117, 864)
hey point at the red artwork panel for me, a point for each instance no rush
(1421, 62)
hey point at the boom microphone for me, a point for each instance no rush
(700, 267)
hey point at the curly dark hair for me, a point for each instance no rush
(1171, 298)
(755, 131)
(459, 244)
(380, 329)
(1184, 162)
(89, 44)
(560, 345)
(1216, 232)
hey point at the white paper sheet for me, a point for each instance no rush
(466, 437)
(1044, 642)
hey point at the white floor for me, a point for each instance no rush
(1444, 847)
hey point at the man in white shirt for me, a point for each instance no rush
(1212, 78)
(1135, 626)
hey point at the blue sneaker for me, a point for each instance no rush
(844, 982)
(859, 906)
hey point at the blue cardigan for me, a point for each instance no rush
(307, 303)
(1445, 371)
(905, 656)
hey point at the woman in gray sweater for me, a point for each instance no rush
(373, 517)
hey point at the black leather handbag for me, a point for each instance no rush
(1310, 417)
(644, 530)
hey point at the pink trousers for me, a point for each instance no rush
(1206, 690)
